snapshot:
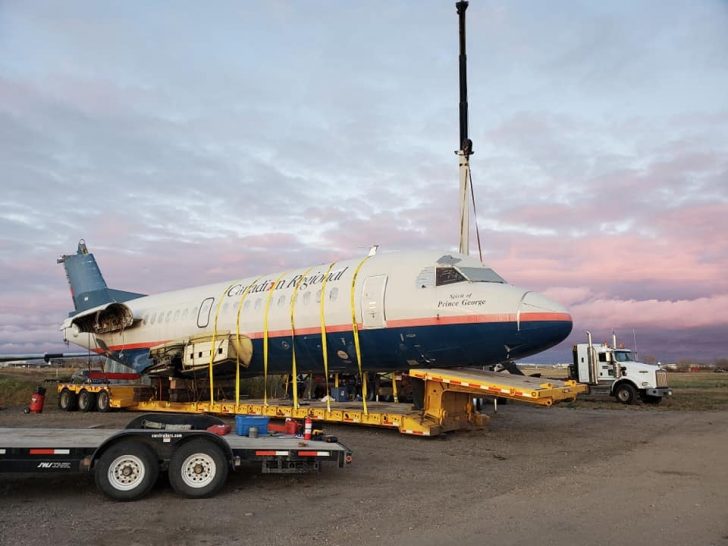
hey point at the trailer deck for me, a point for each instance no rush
(447, 402)
(126, 462)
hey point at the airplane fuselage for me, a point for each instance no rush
(414, 309)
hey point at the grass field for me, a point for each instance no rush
(17, 384)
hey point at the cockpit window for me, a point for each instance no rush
(481, 274)
(447, 275)
(623, 356)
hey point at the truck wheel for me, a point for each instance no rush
(625, 393)
(67, 400)
(198, 469)
(86, 400)
(127, 471)
(103, 402)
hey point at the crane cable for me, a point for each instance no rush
(475, 214)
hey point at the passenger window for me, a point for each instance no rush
(602, 357)
(333, 293)
(257, 303)
(448, 275)
(154, 318)
(307, 298)
(318, 296)
(246, 306)
(281, 301)
(225, 308)
(169, 316)
(176, 315)
(184, 313)
(145, 319)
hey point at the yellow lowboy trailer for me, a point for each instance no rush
(447, 402)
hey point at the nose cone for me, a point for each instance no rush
(542, 323)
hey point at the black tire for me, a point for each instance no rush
(67, 400)
(103, 401)
(198, 469)
(625, 393)
(127, 471)
(650, 399)
(86, 401)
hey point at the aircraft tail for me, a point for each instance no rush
(88, 287)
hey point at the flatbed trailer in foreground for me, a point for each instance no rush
(126, 463)
(446, 401)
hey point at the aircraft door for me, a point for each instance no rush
(203, 316)
(372, 301)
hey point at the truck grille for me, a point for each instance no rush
(661, 377)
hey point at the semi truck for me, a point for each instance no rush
(615, 370)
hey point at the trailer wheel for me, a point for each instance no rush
(625, 393)
(103, 402)
(67, 400)
(127, 471)
(86, 400)
(198, 469)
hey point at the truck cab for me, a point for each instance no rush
(615, 368)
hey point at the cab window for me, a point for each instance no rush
(447, 275)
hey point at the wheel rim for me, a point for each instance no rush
(623, 395)
(103, 400)
(198, 470)
(126, 472)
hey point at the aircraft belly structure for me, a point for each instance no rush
(415, 309)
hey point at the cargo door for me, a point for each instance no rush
(372, 301)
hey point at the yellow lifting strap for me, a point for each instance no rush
(243, 297)
(212, 343)
(394, 387)
(355, 332)
(324, 347)
(294, 369)
(265, 337)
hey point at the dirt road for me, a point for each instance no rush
(551, 476)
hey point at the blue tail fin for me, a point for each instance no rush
(88, 287)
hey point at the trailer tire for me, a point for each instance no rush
(127, 471)
(86, 401)
(198, 469)
(625, 393)
(67, 400)
(103, 401)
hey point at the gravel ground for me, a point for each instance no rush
(553, 476)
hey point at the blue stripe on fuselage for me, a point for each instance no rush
(388, 349)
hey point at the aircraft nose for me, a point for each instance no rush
(542, 323)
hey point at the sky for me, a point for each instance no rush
(195, 142)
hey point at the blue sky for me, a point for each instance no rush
(235, 138)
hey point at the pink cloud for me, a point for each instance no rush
(613, 313)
